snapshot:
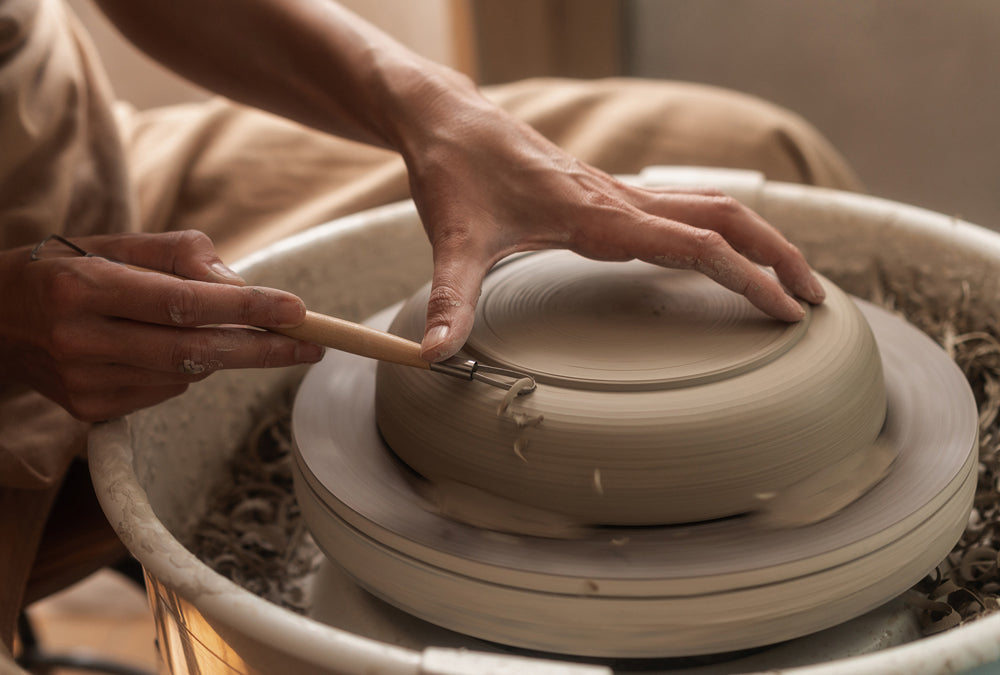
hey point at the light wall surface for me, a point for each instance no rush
(908, 90)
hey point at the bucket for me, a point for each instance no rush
(155, 471)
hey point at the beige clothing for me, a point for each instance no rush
(68, 164)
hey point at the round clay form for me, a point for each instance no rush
(662, 397)
(671, 589)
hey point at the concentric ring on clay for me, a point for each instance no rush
(651, 591)
(666, 398)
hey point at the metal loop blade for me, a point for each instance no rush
(467, 369)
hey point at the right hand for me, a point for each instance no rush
(102, 340)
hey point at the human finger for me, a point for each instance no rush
(98, 391)
(673, 244)
(742, 228)
(120, 401)
(97, 380)
(151, 297)
(189, 352)
(451, 307)
(186, 253)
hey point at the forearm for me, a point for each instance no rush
(308, 60)
(485, 184)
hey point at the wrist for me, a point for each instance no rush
(421, 100)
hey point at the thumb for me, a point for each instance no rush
(196, 258)
(186, 253)
(451, 307)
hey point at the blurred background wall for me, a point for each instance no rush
(908, 90)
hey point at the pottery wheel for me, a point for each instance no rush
(652, 591)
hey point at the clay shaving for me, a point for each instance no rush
(254, 533)
(521, 419)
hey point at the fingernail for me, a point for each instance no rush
(223, 274)
(795, 310)
(307, 352)
(287, 312)
(433, 341)
(817, 290)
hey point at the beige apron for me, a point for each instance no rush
(71, 163)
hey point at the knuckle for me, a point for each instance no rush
(726, 206)
(181, 306)
(64, 290)
(708, 244)
(192, 240)
(604, 199)
(64, 345)
(270, 355)
(192, 355)
(444, 298)
(253, 306)
(187, 247)
(792, 251)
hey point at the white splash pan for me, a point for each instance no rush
(155, 470)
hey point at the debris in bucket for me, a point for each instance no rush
(966, 585)
(254, 533)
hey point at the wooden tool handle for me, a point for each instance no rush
(357, 339)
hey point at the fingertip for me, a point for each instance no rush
(290, 311)
(791, 310)
(308, 352)
(219, 273)
(809, 289)
(817, 294)
(437, 344)
(284, 310)
(448, 324)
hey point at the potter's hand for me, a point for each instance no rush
(103, 340)
(486, 185)
(491, 186)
